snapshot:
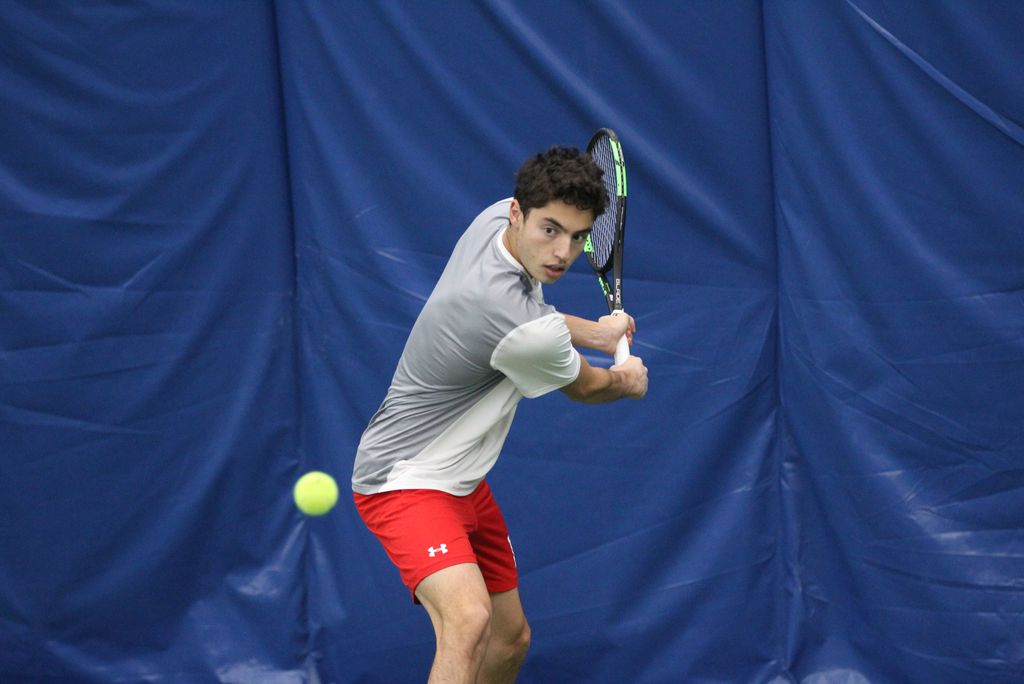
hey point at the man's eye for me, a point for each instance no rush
(579, 238)
(548, 230)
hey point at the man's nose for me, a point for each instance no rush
(562, 249)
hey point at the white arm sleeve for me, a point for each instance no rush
(538, 356)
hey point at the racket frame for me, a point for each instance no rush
(612, 289)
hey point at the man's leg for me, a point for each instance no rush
(510, 639)
(460, 609)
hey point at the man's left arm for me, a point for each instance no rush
(602, 334)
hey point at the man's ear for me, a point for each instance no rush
(515, 213)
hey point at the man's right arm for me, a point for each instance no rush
(602, 385)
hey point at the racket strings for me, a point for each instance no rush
(602, 237)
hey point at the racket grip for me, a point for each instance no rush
(621, 351)
(622, 348)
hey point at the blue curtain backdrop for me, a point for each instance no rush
(218, 221)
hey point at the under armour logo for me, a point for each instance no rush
(433, 552)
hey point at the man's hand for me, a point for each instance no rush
(601, 335)
(614, 327)
(601, 385)
(636, 375)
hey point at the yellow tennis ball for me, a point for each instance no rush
(316, 493)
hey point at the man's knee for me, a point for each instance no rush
(458, 603)
(522, 642)
(470, 619)
(514, 644)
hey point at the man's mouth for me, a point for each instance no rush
(554, 271)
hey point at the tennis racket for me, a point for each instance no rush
(604, 244)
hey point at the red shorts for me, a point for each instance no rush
(425, 530)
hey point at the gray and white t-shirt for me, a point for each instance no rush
(484, 340)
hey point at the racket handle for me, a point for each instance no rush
(622, 348)
(621, 351)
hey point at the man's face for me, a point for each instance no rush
(548, 239)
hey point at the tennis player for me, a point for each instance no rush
(484, 340)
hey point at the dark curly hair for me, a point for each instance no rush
(561, 173)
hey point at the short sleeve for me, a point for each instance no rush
(538, 356)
